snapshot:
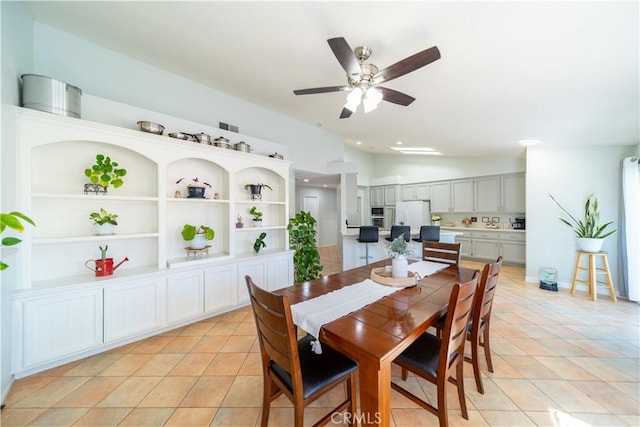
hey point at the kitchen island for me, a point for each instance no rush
(353, 252)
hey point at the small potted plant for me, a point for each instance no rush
(590, 234)
(259, 243)
(398, 250)
(256, 190)
(102, 173)
(302, 239)
(435, 219)
(197, 237)
(239, 223)
(195, 188)
(106, 222)
(257, 216)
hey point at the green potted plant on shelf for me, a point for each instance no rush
(398, 250)
(590, 234)
(302, 239)
(106, 222)
(260, 243)
(102, 173)
(257, 216)
(256, 190)
(13, 221)
(197, 237)
(195, 188)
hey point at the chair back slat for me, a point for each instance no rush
(276, 332)
(458, 315)
(448, 253)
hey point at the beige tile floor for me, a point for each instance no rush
(559, 360)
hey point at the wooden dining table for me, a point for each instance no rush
(376, 334)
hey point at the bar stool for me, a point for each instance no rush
(429, 233)
(399, 230)
(593, 270)
(368, 234)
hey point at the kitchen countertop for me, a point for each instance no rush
(508, 230)
(354, 232)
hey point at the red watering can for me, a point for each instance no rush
(104, 267)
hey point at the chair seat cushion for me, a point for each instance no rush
(422, 356)
(318, 370)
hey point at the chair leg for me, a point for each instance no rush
(487, 346)
(475, 361)
(351, 395)
(460, 386)
(404, 374)
(443, 414)
(266, 401)
(298, 415)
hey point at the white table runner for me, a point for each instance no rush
(310, 315)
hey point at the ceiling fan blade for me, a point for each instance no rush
(396, 97)
(345, 55)
(408, 64)
(346, 113)
(326, 89)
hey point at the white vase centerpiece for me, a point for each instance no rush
(398, 250)
(589, 234)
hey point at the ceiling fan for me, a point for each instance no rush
(363, 78)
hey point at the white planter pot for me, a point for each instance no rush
(198, 242)
(399, 267)
(106, 229)
(589, 245)
(257, 223)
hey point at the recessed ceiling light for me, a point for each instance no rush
(398, 142)
(417, 150)
(324, 185)
(358, 143)
(529, 142)
(306, 180)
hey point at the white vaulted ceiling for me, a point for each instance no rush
(565, 73)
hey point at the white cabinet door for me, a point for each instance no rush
(441, 196)
(185, 297)
(390, 195)
(220, 287)
(487, 194)
(485, 249)
(58, 326)
(513, 252)
(408, 193)
(257, 270)
(422, 192)
(389, 217)
(279, 272)
(513, 193)
(376, 195)
(131, 308)
(462, 195)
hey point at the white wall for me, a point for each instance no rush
(110, 75)
(570, 174)
(16, 60)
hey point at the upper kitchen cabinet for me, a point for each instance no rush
(390, 192)
(416, 192)
(441, 196)
(513, 193)
(500, 193)
(376, 196)
(488, 197)
(462, 195)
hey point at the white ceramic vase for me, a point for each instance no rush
(106, 229)
(198, 242)
(399, 267)
(589, 245)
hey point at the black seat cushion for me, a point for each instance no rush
(368, 234)
(318, 370)
(422, 355)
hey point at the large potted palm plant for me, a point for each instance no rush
(590, 234)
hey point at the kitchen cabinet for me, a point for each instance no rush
(488, 245)
(513, 193)
(390, 195)
(389, 218)
(462, 195)
(132, 307)
(415, 192)
(220, 287)
(487, 194)
(485, 245)
(376, 195)
(513, 247)
(185, 296)
(441, 197)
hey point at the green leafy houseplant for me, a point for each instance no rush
(302, 239)
(256, 189)
(589, 226)
(103, 217)
(399, 246)
(105, 172)
(257, 215)
(12, 220)
(189, 232)
(260, 243)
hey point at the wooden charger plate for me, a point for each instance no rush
(379, 275)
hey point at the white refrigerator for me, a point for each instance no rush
(413, 213)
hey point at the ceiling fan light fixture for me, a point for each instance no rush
(372, 99)
(353, 99)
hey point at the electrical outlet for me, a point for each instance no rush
(474, 219)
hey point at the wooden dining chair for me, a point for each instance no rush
(479, 325)
(448, 253)
(434, 358)
(289, 366)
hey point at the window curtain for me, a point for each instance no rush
(630, 229)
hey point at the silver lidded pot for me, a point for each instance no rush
(222, 142)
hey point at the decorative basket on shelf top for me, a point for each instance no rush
(398, 249)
